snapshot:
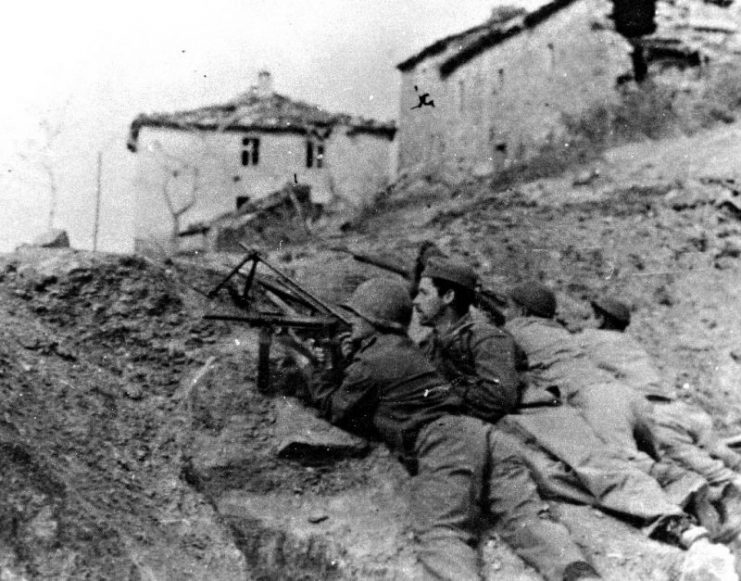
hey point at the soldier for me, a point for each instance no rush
(618, 414)
(482, 361)
(460, 464)
(477, 358)
(684, 432)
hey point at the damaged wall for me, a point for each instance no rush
(354, 166)
(504, 103)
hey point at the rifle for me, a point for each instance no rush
(324, 323)
(381, 263)
(488, 300)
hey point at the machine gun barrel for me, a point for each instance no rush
(272, 321)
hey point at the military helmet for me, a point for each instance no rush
(614, 308)
(448, 270)
(536, 298)
(383, 302)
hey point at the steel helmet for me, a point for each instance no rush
(614, 308)
(536, 298)
(383, 302)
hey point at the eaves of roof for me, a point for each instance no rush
(476, 40)
(269, 114)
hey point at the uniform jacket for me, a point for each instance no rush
(482, 362)
(683, 432)
(554, 356)
(621, 355)
(389, 390)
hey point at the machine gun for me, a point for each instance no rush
(323, 323)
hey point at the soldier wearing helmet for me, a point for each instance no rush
(460, 464)
(477, 358)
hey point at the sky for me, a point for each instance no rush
(77, 72)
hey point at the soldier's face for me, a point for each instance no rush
(427, 303)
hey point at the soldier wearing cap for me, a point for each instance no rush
(460, 464)
(477, 358)
(614, 410)
(684, 432)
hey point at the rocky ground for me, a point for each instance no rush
(135, 444)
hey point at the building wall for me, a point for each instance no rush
(353, 166)
(501, 105)
(359, 163)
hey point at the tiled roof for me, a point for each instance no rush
(254, 112)
(476, 40)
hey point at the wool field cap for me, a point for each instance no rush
(616, 309)
(450, 271)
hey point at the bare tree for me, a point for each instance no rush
(176, 211)
(42, 156)
(174, 167)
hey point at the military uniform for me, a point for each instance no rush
(481, 361)
(460, 464)
(617, 414)
(683, 432)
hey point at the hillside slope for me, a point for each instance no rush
(136, 446)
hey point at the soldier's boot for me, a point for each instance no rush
(729, 507)
(704, 507)
(580, 571)
(678, 530)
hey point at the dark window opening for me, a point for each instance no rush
(314, 154)
(250, 151)
(501, 147)
(634, 18)
(241, 201)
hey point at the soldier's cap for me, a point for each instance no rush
(618, 310)
(457, 273)
(535, 297)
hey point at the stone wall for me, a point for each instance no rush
(500, 106)
(354, 166)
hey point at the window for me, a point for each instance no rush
(250, 151)
(314, 154)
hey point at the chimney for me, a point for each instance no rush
(264, 84)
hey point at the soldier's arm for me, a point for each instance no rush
(681, 445)
(346, 399)
(496, 370)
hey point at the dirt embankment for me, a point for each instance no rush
(134, 444)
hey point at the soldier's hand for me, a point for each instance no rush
(347, 345)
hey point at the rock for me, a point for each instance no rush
(43, 527)
(706, 561)
(54, 238)
(586, 177)
(133, 391)
(302, 435)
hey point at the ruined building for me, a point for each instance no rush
(501, 89)
(198, 164)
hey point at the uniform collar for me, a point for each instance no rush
(461, 325)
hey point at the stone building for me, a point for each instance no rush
(198, 164)
(500, 89)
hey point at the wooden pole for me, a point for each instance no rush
(98, 192)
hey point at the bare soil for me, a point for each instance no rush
(135, 445)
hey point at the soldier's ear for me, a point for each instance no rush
(449, 297)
